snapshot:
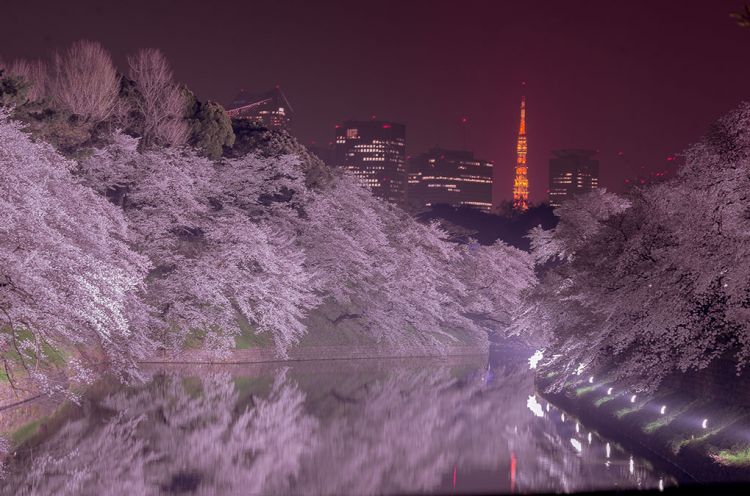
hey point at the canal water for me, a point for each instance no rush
(448, 426)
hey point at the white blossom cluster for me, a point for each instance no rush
(658, 283)
(127, 250)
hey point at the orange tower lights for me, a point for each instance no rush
(521, 181)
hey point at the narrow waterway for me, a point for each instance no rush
(332, 427)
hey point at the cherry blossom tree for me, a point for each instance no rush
(68, 277)
(402, 281)
(659, 281)
(215, 259)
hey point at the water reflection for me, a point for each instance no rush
(363, 427)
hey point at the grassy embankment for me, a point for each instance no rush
(707, 438)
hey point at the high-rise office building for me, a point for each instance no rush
(572, 172)
(270, 108)
(452, 177)
(375, 152)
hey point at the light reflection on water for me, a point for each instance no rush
(337, 427)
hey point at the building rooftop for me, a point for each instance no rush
(246, 100)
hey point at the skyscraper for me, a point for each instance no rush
(572, 172)
(270, 108)
(375, 152)
(452, 177)
(521, 181)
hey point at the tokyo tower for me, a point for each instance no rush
(521, 181)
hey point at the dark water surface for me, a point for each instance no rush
(334, 427)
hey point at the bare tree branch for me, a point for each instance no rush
(85, 81)
(161, 102)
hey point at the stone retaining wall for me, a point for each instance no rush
(349, 352)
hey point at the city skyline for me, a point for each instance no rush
(601, 77)
(572, 172)
(450, 177)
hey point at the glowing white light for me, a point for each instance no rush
(661, 484)
(533, 405)
(663, 409)
(632, 398)
(591, 379)
(562, 417)
(607, 450)
(535, 358)
(580, 368)
(548, 407)
(609, 391)
(589, 438)
(631, 465)
(704, 424)
(578, 428)
(576, 444)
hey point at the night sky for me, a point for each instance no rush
(638, 80)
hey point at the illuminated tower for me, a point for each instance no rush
(521, 181)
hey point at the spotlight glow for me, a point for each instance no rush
(609, 391)
(704, 424)
(535, 358)
(632, 398)
(663, 409)
(533, 405)
(576, 444)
